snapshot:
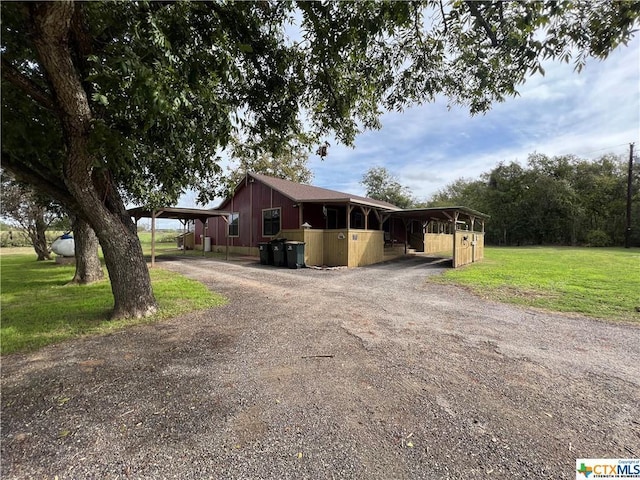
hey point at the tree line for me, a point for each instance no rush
(560, 200)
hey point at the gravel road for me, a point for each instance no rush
(367, 373)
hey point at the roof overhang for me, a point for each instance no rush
(445, 214)
(176, 213)
(352, 201)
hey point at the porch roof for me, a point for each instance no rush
(438, 213)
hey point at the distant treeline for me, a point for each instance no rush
(561, 200)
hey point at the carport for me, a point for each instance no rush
(459, 230)
(176, 213)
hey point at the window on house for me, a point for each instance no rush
(234, 223)
(270, 222)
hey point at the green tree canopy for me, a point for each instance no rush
(563, 200)
(384, 186)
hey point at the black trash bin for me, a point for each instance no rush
(266, 254)
(279, 255)
(295, 254)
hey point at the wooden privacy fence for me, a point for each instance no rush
(468, 247)
(348, 247)
(438, 243)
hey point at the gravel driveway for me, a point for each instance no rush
(368, 373)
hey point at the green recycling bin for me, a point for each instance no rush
(295, 254)
(266, 254)
(279, 255)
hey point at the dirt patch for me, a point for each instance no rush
(350, 373)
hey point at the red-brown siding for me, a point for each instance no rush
(249, 200)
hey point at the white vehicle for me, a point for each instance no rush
(64, 246)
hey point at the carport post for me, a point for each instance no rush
(153, 238)
(204, 232)
(184, 234)
(226, 220)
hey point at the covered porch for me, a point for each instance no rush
(456, 232)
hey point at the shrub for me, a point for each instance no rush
(167, 238)
(598, 238)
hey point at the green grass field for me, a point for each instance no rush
(598, 282)
(39, 308)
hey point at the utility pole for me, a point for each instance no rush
(627, 232)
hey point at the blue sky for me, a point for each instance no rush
(588, 114)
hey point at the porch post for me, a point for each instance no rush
(455, 233)
(406, 234)
(183, 222)
(366, 212)
(379, 217)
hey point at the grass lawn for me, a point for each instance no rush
(39, 308)
(598, 282)
(166, 245)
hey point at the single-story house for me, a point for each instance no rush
(337, 228)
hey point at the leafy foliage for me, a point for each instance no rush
(552, 200)
(170, 84)
(382, 185)
(598, 238)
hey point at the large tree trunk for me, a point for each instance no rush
(37, 235)
(95, 193)
(88, 266)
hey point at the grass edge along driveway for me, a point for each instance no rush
(602, 283)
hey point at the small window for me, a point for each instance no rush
(270, 222)
(234, 222)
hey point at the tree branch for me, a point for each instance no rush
(475, 11)
(28, 86)
(444, 18)
(39, 182)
